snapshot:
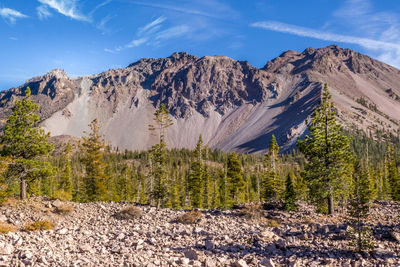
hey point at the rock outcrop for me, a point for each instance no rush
(233, 105)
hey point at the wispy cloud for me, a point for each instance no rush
(67, 8)
(176, 9)
(151, 25)
(360, 16)
(151, 34)
(326, 36)
(173, 32)
(43, 12)
(106, 2)
(378, 32)
(137, 42)
(103, 22)
(370, 44)
(11, 15)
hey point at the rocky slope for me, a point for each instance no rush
(91, 236)
(234, 105)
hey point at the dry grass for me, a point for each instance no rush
(253, 212)
(39, 226)
(6, 228)
(190, 217)
(128, 213)
(269, 222)
(11, 202)
(64, 209)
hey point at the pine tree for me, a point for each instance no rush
(273, 184)
(64, 187)
(358, 209)
(235, 179)
(26, 144)
(4, 190)
(207, 183)
(328, 156)
(159, 155)
(393, 175)
(196, 174)
(290, 194)
(95, 179)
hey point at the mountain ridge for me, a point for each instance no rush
(234, 105)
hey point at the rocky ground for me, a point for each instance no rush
(91, 235)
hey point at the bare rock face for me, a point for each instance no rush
(232, 104)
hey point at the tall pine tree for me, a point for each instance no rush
(393, 175)
(327, 151)
(235, 179)
(358, 209)
(273, 183)
(159, 155)
(195, 182)
(26, 144)
(95, 179)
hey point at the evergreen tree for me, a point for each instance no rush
(290, 194)
(196, 174)
(159, 154)
(95, 179)
(328, 156)
(4, 190)
(26, 144)
(273, 183)
(64, 187)
(393, 175)
(207, 183)
(358, 209)
(235, 179)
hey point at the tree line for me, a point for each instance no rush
(331, 167)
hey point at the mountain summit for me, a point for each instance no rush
(233, 105)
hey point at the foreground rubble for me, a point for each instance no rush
(91, 235)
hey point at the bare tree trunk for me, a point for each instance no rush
(23, 189)
(331, 209)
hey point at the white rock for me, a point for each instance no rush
(7, 249)
(62, 231)
(239, 263)
(267, 263)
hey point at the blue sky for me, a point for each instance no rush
(87, 37)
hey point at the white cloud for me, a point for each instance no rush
(43, 12)
(67, 8)
(148, 27)
(177, 9)
(137, 42)
(173, 32)
(389, 49)
(150, 34)
(11, 15)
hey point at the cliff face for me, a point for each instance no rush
(232, 104)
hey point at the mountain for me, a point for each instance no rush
(233, 105)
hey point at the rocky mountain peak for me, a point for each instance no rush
(234, 105)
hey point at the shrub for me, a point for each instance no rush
(62, 195)
(128, 213)
(253, 212)
(190, 217)
(64, 209)
(38, 226)
(270, 222)
(6, 227)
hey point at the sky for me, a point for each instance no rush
(86, 37)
